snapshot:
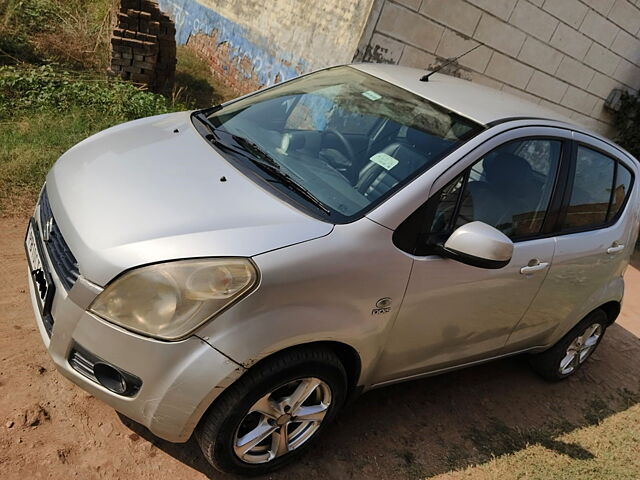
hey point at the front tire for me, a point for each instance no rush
(273, 412)
(569, 354)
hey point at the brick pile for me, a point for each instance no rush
(143, 46)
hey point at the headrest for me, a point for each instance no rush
(417, 137)
(408, 159)
(506, 168)
(426, 142)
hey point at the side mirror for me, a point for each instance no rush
(479, 245)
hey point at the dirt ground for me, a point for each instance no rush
(51, 429)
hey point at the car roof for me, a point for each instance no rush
(477, 102)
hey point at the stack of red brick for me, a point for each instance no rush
(144, 46)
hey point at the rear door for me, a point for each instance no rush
(593, 243)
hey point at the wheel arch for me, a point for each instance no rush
(612, 309)
(348, 356)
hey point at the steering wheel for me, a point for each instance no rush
(348, 150)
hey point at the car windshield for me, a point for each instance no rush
(344, 139)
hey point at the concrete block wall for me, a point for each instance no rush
(565, 54)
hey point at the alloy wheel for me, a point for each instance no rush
(580, 349)
(282, 420)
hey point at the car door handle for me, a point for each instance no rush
(615, 248)
(534, 268)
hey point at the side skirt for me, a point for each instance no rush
(450, 369)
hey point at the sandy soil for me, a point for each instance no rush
(50, 428)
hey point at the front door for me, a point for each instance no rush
(453, 313)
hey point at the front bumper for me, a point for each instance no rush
(179, 379)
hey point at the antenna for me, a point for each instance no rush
(425, 78)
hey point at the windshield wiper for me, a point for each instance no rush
(255, 154)
(263, 160)
(202, 117)
(214, 135)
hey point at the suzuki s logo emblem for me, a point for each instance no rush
(47, 228)
(382, 306)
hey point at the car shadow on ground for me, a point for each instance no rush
(431, 426)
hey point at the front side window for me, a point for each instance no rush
(509, 188)
(347, 138)
(599, 189)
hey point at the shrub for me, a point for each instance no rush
(16, 48)
(35, 15)
(44, 89)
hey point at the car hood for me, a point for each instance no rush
(150, 191)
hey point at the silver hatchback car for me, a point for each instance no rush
(242, 271)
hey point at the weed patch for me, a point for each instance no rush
(74, 33)
(44, 89)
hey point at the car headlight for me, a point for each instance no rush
(170, 300)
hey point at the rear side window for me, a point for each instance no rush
(620, 191)
(600, 187)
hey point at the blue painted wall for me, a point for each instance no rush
(192, 18)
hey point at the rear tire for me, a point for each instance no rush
(265, 403)
(573, 350)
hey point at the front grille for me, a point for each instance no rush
(47, 321)
(63, 261)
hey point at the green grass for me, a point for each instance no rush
(30, 143)
(610, 449)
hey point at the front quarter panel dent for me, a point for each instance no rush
(197, 379)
